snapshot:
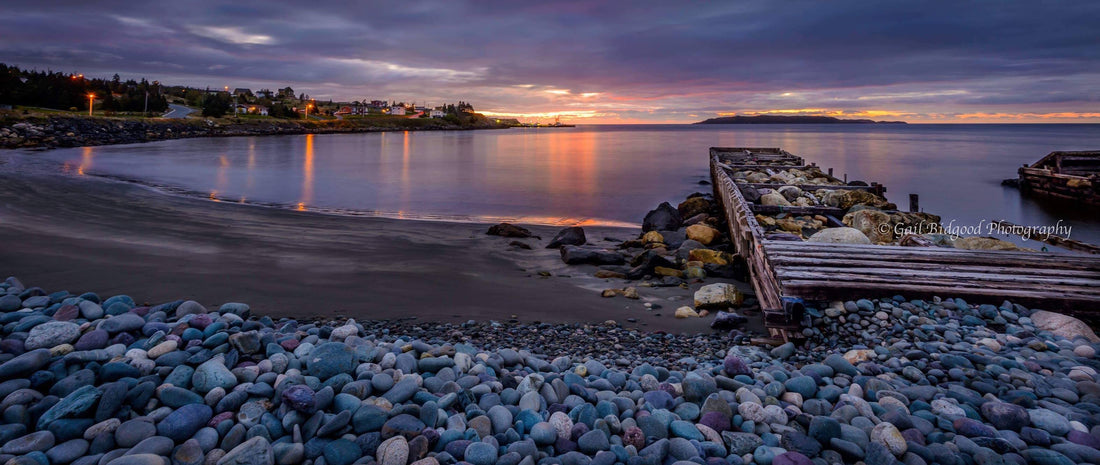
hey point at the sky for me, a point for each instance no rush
(599, 62)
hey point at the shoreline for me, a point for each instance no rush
(45, 132)
(93, 233)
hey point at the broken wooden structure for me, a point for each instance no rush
(1064, 175)
(787, 274)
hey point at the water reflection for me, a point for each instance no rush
(85, 160)
(306, 197)
(590, 175)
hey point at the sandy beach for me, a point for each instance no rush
(83, 232)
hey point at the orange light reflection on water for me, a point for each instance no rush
(85, 160)
(307, 175)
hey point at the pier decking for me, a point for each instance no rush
(815, 271)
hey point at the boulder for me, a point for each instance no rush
(840, 236)
(569, 236)
(686, 312)
(693, 206)
(774, 199)
(872, 223)
(664, 217)
(709, 256)
(1063, 325)
(718, 295)
(576, 255)
(984, 243)
(508, 230)
(702, 233)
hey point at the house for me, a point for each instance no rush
(437, 114)
(397, 110)
(242, 91)
(251, 109)
(345, 110)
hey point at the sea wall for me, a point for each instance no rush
(71, 131)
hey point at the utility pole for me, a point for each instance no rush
(146, 111)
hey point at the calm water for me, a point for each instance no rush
(594, 174)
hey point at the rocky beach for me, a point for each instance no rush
(92, 379)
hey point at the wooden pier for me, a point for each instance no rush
(1064, 175)
(785, 273)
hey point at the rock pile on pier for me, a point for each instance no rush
(91, 381)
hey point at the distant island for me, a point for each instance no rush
(783, 119)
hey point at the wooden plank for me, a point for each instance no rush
(948, 277)
(793, 210)
(948, 260)
(811, 264)
(808, 187)
(813, 290)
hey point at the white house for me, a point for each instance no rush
(397, 110)
(436, 114)
(251, 109)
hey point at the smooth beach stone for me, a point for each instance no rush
(404, 425)
(176, 397)
(255, 451)
(74, 404)
(742, 443)
(94, 339)
(480, 453)
(212, 374)
(300, 397)
(67, 451)
(341, 452)
(140, 459)
(51, 334)
(125, 322)
(330, 359)
(131, 432)
(157, 445)
(24, 363)
(593, 441)
(37, 441)
(395, 451)
(184, 422)
(188, 453)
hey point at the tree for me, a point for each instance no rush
(217, 105)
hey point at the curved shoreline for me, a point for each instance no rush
(92, 233)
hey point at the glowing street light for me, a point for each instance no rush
(91, 100)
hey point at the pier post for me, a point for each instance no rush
(914, 203)
(830, 171)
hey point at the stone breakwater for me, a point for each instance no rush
(92, 381)
(69, 131)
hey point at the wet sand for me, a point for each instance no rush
(62, 231)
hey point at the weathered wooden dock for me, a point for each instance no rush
(1064, 175)
(783, 272)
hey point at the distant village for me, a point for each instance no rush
(284, 103)
(52, 91)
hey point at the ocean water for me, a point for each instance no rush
(608, 175)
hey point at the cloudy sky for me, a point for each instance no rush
(591, 61)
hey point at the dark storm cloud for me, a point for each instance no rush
(642, 58)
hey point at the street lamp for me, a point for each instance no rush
(91, 100)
